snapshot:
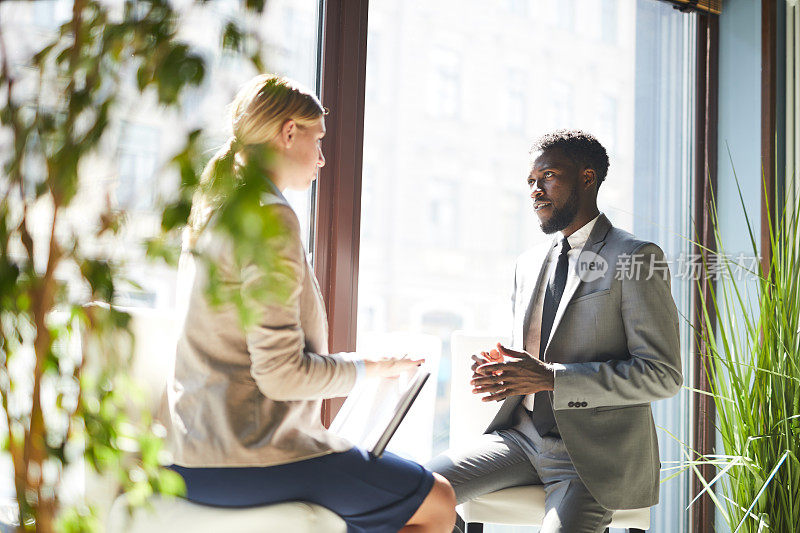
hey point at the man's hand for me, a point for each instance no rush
(513, 373)
(492, 356)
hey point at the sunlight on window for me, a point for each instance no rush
(453, 105)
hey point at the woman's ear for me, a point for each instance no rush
(288, 133)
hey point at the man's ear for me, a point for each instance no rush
(589, 177)
(288, 132)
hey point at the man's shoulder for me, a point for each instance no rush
(618, 241)
(624, 242)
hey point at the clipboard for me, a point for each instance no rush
(371, 415)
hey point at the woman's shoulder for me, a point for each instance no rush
(279, 227)
(280, 212)
(275, 212)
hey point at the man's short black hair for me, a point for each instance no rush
(581, 147)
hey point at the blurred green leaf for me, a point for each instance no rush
(163, 249)
(170, 483)
(176, 214)
(255, 5)
(232, 37)
(79, 519)
(100, 276)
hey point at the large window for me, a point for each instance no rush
(131, 173)
(453, 104)
(455, 94)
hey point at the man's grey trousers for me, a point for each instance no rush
(520, 456)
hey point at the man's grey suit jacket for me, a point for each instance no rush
(619, 345)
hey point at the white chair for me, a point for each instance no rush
(169, 514)
(154, 356)
(469, 416)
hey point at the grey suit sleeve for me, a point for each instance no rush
(280, 364)
(653, 369)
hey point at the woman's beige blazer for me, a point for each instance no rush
(253, 398)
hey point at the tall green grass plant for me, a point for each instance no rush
(754, 374)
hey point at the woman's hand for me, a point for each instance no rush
(389, 367)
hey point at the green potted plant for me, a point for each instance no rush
(754, 374)
(61, 407)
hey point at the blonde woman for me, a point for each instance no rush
(244, 406)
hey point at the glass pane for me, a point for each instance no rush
(130, 173)
(291, 27)
(452, 107)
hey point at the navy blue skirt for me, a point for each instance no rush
(374, 495)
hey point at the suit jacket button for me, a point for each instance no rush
(584, 404)
(571, 404)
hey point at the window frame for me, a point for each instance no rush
(703, 423)
(337, 209)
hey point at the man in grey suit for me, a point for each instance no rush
(594, 341)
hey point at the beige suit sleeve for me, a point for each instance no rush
(280, 364)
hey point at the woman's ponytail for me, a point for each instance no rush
(218, 176)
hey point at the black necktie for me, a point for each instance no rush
(543, 418)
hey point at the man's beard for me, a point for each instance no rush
(562, 217)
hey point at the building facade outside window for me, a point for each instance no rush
(445, 83)
(454, 241)
(137, 157)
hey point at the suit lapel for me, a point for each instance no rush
(530, 290)
(595, 242)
